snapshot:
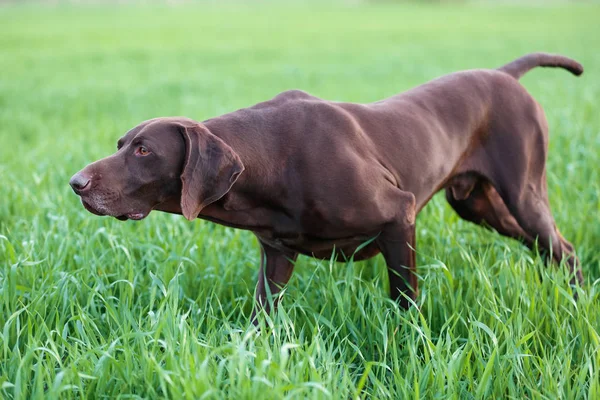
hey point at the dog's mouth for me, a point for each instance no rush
(89, 207)
(135, 216)
(132, 216)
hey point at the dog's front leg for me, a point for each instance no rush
(397, 244)
(276, 269)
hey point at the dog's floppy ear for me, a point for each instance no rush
(210, 169)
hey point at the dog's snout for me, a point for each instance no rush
(80, 182)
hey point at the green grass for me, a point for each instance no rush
(91, 307)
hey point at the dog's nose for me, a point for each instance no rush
(80, 182)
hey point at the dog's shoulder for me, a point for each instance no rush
(294, 94)
(284, 98)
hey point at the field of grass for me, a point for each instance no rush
(92, 307)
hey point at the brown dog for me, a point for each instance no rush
(312, 176)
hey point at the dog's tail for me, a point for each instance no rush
(522, 65)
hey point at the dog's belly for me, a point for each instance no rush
(359, 247)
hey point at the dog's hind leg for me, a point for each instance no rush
(532, 211)
(483, 205)
(475, 200)
(520, 180)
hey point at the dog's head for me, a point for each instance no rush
(172, 162)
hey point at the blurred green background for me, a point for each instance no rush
(91, 307)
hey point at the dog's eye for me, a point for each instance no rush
(142, 151)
